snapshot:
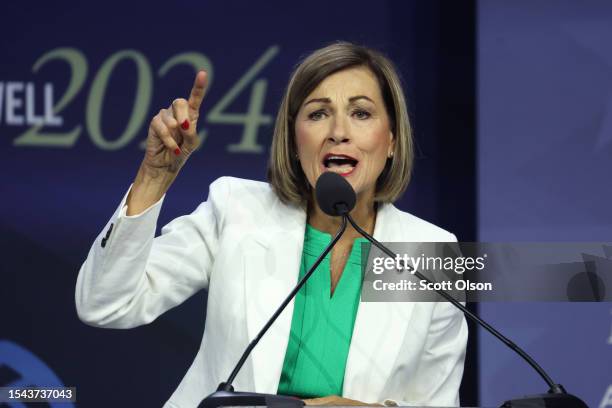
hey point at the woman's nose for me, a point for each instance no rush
(339, 132)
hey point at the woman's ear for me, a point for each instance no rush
(391, 145)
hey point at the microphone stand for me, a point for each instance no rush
(556, 397)
(225, 394)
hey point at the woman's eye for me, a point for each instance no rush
(361, 114)
(317, 115)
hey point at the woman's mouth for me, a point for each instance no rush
(339, 163)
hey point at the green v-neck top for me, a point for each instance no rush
(322, 325)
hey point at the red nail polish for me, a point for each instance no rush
(185, 124)
(177, 151)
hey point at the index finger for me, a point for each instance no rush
(197, 93)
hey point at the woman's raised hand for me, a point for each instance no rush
(172, 138)
(172, 133)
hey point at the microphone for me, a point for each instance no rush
(334, 194)
(556, 397)
(339, 200)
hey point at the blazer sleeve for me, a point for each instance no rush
(130, 277)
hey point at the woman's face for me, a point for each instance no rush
(343, 127)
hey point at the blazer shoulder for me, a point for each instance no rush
(420, 229)
(243, 188)
(243, 197)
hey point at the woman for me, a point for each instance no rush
(343, 111)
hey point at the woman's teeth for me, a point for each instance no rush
(340, 168)
(342, 165)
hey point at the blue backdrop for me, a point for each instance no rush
(544, 164)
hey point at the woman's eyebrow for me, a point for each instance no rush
(355, 98)
(322, 100)
(327, 100)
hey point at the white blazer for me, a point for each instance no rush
(244, 245)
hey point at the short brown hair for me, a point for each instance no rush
(284, 170)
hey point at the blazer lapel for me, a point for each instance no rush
(379, 331)
(271, 270)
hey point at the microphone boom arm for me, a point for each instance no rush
(554, 388)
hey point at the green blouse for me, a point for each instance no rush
(322, 325)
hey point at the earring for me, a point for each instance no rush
(390, 155)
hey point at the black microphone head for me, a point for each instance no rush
(334, 194)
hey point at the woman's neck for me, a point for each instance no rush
(364, 215)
